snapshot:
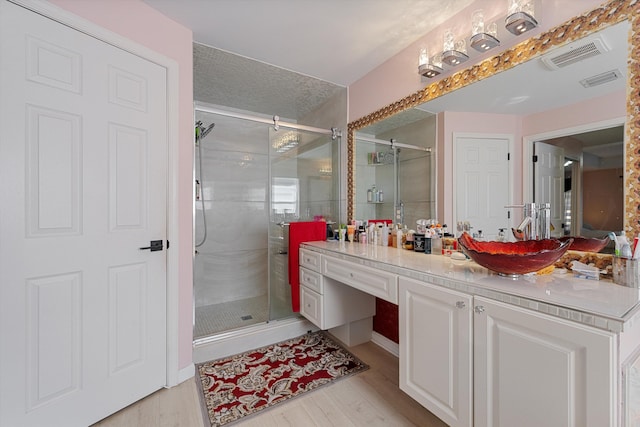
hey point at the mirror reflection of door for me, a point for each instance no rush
(548, 173)
(482, 185)
(592, 184)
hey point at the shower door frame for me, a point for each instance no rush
(275, 122)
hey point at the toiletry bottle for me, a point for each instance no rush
(380, 196)
(394, 236)
(369, 195)
(385, 235)
(436, 245)
(374, 192)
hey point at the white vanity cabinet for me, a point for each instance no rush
(436, 328)
(328, 303)
(478, 362)
(532, 369)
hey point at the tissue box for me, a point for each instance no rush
(583, 271)
(599, 260)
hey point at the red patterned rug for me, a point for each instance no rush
(245, 384)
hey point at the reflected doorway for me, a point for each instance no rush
(591, 185)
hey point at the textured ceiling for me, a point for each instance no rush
(334, 40)
(229, 80)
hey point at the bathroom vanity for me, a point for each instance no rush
(479, 349)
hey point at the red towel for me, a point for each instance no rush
(300, 232)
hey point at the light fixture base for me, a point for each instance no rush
(482, 42)
(429, 70)
(454, 57)
(520, 22)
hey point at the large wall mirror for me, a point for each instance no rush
(395, 168)
(493, 86)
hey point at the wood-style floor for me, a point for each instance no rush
(371, 398)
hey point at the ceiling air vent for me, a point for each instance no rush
(574, 52)
(601, 78)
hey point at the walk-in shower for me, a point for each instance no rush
(250, 181)
(395, 181)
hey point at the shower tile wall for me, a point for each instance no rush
(232, 264)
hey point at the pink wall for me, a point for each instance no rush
(398, 77)
(144, 25)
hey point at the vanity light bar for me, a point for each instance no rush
(520, 22)
(429, 70)
(483, 42)
(454, 57)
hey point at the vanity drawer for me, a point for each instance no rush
(311, 306)
(311, 279)
(310, 260)
(374, 282)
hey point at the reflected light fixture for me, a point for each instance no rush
(286, 142)
(454, 53)
(482, 39)
(426, 68)
(521, 17)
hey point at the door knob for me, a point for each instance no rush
(154, 245)
(478, 309)
(460, 304)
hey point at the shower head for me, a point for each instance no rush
(207, 130)
(201, 131)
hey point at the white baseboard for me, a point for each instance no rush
(249, 338)
(186, 373)
(385, 343)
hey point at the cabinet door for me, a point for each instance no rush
(532, 369)
(435, 349)
(311, 306)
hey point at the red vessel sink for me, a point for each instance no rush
(514, 258)
(586, 244)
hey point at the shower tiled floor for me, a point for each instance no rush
(216, 318)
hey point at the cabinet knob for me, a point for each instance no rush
(460, 304)
(478, 309)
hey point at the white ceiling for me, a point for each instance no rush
(338, 41)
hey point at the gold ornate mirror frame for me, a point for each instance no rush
(576, 28)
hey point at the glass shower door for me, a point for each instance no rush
(303, 188)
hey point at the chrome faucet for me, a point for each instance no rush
(536, 224)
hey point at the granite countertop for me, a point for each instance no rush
(599, 303)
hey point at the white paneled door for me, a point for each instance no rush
(83, 163)
(482, 183)
(548, 171)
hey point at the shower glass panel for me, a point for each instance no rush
(245, 190)
(303, 188)
(404, 177)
